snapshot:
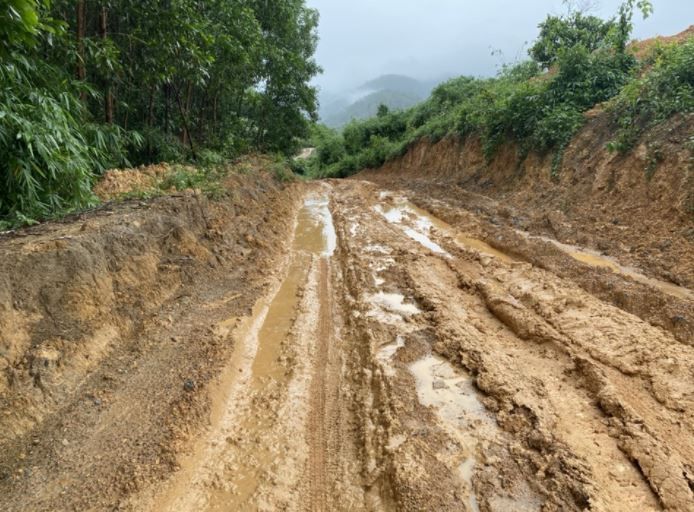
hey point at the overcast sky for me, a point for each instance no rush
(435, 39)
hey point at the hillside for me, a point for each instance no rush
(397, 92)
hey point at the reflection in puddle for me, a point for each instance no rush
(315, 234)
(402, 212)
(390, 308)
(425, 241)
(386, 353)
(315, 231)
(394, 303)
(450, 391)
(423, 222)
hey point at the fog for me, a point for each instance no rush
(437, 39)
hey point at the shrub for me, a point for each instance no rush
(48, 162)
(665, 88)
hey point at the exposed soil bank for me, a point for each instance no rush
(638, 208)
(635, 233)
(108, 335)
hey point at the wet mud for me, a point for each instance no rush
(395, 361)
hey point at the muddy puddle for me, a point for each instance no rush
(402, 212)
(419, 229)
(390, 308)
(315, 234)
(315, 231)
(258, 375)
(451, 393)
(595, 259)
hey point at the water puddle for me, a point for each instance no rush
(267, 372)
(315, 231)
(425, 241)
(482, 247)
(386, 353)
(402, 210)
(390, 308)
(400, 213)
(315, 234)
(596, 259)
(451, 393)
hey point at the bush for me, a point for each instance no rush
(48, 162)
(666, 87)
(540, 112)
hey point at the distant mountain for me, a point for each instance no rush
(395, 91)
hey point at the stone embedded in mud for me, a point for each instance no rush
(439, 384)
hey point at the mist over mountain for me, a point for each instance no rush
(395, 91)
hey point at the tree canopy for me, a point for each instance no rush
(91, 85)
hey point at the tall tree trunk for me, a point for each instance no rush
(214, 110)
(167, 96)
(108, 95)
(186, 136)
(81, 32)
(150, 108)
(184, 117)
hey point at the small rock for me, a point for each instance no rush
(189, 385)
(65, 442)
(439, 384)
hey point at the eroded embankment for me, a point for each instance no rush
(635, 207)
(620, 235)
(107, 336)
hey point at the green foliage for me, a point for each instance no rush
(87, 86)
(19, 23)
(666, 87)
(49, 154)
(560, 33)
(282, 170)
(330, 146)
(205, 179)
(539, 111)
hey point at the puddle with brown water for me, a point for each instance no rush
(256, 373)
(451, 393)
(401, 210)
(315, 234)
(596, 259)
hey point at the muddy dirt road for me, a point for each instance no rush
(396, 362)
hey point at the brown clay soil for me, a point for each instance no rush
(342, 345)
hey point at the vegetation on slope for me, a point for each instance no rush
(86, 86)
(577, 63)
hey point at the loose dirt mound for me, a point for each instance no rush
(642, 48)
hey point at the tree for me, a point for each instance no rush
(140, 81)
(557, 33)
